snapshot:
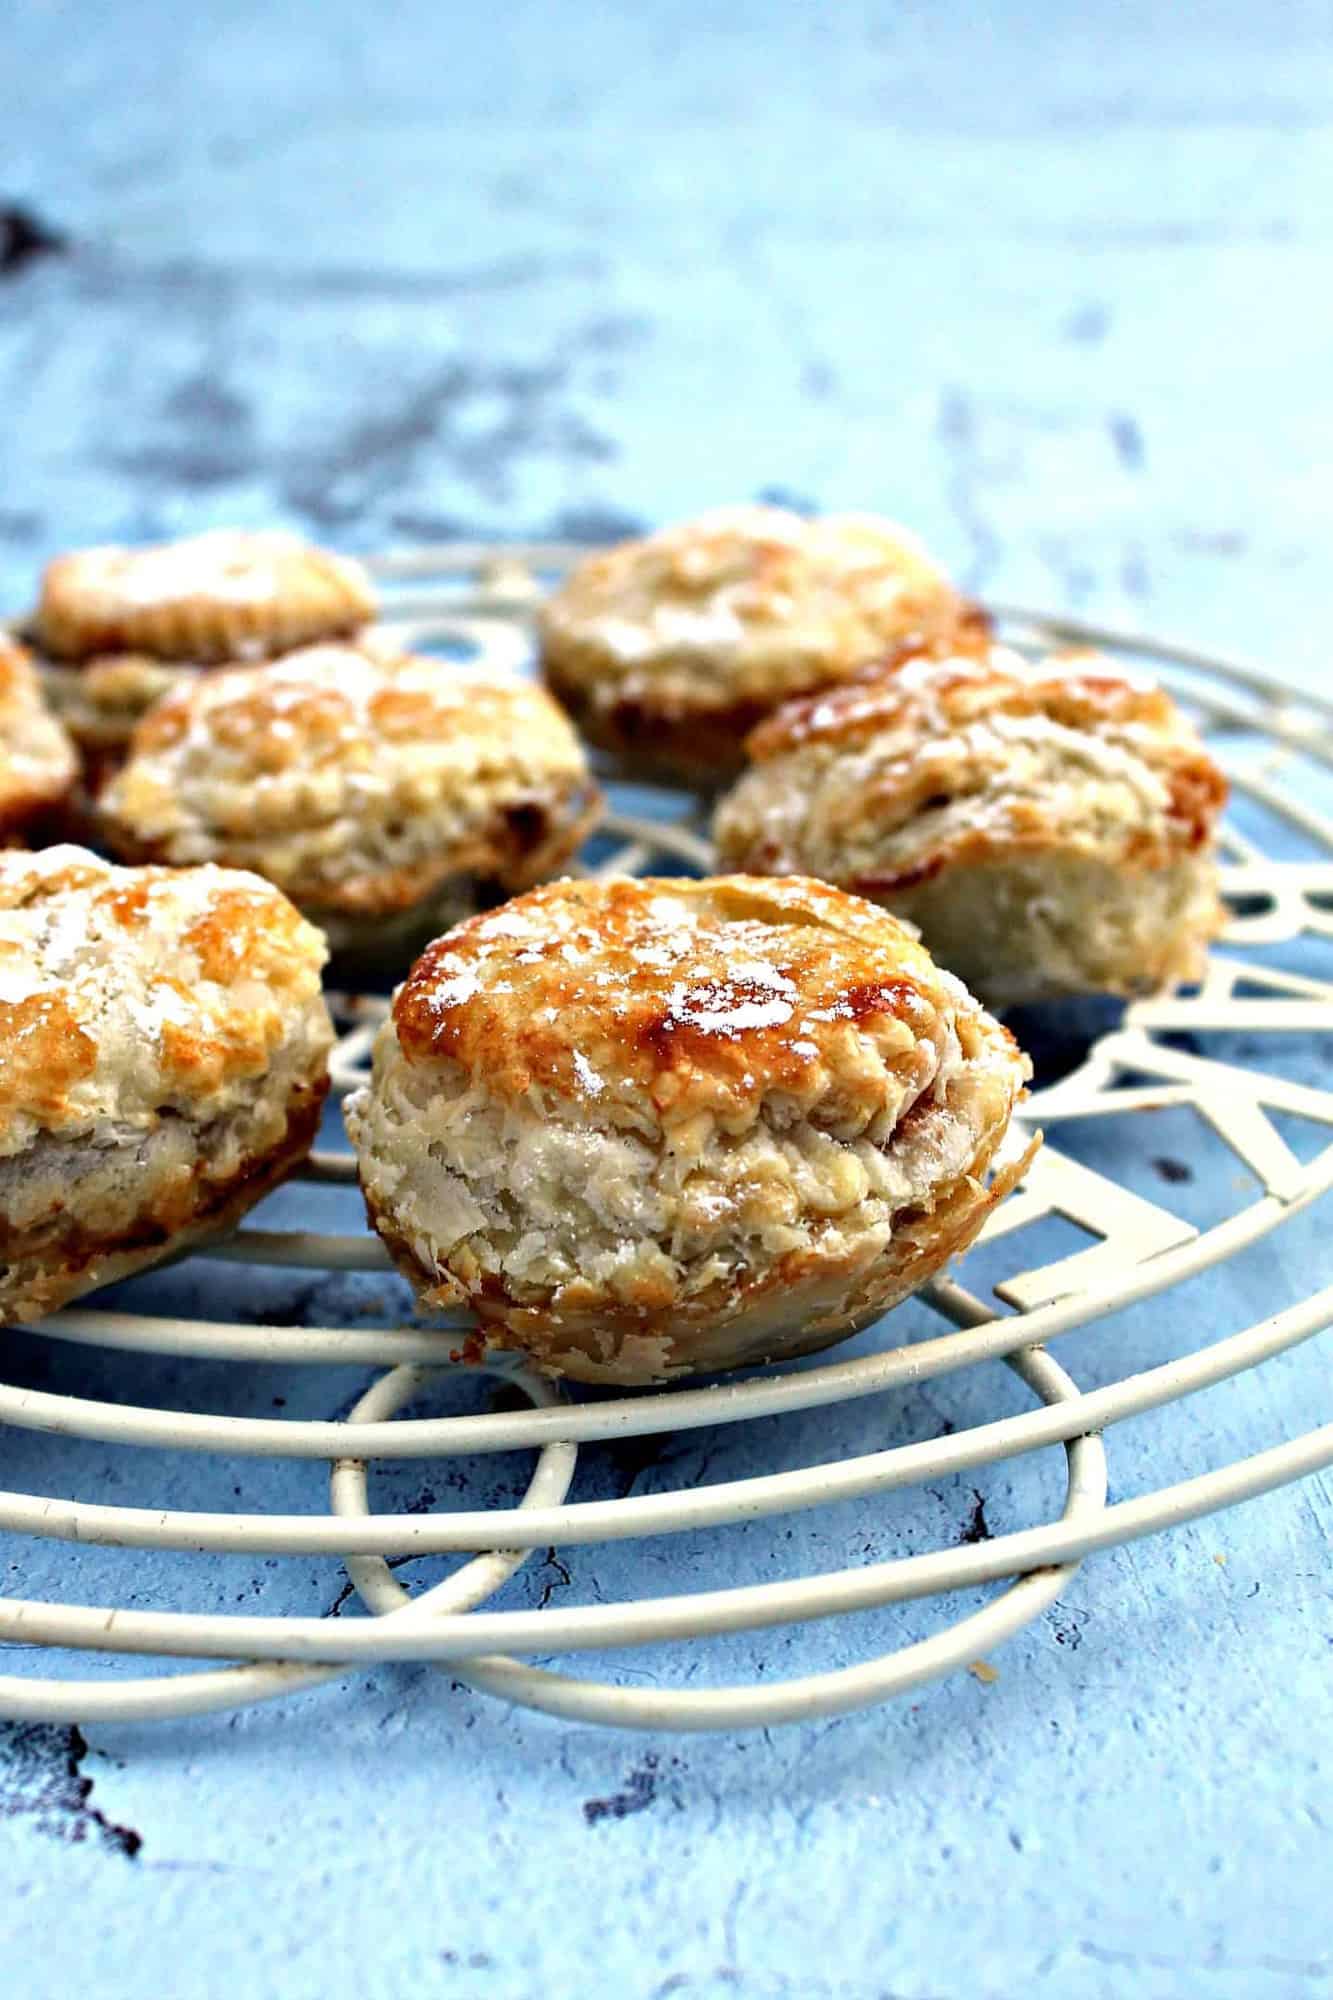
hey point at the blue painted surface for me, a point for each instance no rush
(1052, 285)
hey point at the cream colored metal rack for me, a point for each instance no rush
(478, 600)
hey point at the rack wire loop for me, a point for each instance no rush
(1200, 1052)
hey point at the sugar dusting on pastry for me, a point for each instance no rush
(370, 785)
(669, 648)
(38, 764)
(650, 1127)
(163, 1058)
(1048, 825)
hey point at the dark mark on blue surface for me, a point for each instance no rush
(631, 1457)
(977, 1528)
(24, 236)
(559, 1578)
(19, 524)
(1301, 1968)
(787, 496)
(1134, 575)
(425, 526)
(41, 1779)
(295, 1309)
(1076, 578)
(1088, 323)
(1127, 439)
(1222, 543)
(595, 524)
(482, 421)
(198, 399)
(118, 278)
(1058, 1043)
(207, 441)
(1067, 1628)
(349, 1588)
(1172, 1170)
(639, 1792)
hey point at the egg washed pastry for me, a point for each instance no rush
(117, 627)
(38, 765)
(651, 1127)
(668, 651)
(1049, 828)
(163, 1059)
(386, 794)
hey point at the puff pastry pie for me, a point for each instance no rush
(163, 1059)
(38, 762)
(1049, 828)
(667, 651)
(386, 794)
(651, 1127)
(117, 627)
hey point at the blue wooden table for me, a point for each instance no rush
(1053, 286)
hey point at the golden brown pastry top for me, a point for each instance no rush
(353, 777)
(223, 595)
(342, 705)
(125, 992)
(960, 689)
(904, 778)
(744, 603)
(932, 709)
(658, 1001)
(38, 763)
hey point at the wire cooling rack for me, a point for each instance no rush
(1260, 999)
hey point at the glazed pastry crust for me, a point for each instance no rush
(1049, 828)
(669, 650)
(38, 763)
(369, 786)
(217, 596)
(163, 1059)
(652, 1127)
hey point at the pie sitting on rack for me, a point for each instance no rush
(646, 1128)
(163, 1059)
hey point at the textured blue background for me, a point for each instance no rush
(1053, 284)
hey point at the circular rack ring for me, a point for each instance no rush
(1278, 746)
